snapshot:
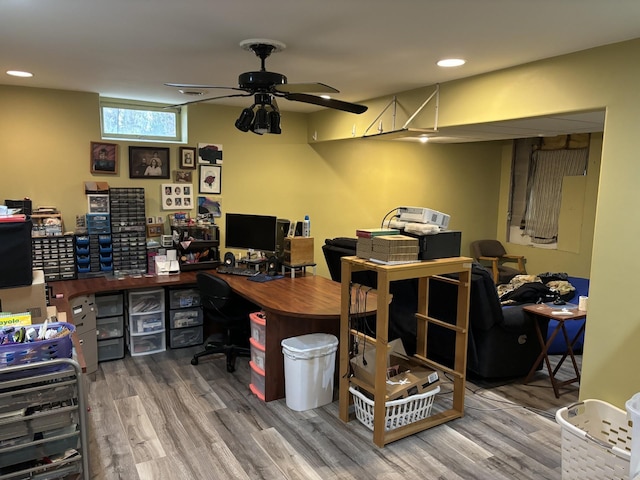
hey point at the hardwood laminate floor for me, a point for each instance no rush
(158, 417)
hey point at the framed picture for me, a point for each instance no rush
(209, 153)
(155, 230)
(177, 196)
(183, 176)
(188, 157)
(148, 162)
(210, 179)
(104, 158)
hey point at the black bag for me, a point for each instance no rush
(15, 254)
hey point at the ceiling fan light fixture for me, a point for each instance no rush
(243, 123)
(261, 121)
(274, 122)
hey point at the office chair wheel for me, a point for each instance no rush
(194, 361)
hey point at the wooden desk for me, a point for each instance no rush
(293, 306)
(543, 312)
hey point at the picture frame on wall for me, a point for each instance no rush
(177, 196)
(183, 176)
(104, 158)
(210, 179)
(148, 162)
(187, 158)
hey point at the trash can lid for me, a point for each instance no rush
(310, 345)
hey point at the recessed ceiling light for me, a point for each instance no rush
(451, 62)
(18, 73)
(423, 139)
(326, 97)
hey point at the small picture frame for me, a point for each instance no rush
(148, 162)
(104, 158)
(155, 230)
(210, 179)
(183, 176)
(187, 158)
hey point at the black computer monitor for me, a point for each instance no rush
(257, 232)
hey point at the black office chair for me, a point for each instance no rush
(230, 312)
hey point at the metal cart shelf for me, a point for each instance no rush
(43, 429)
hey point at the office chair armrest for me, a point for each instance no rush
(489, 259)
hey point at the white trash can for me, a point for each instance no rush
(633, 413)
(309, 366)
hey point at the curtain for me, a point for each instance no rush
(548, 168)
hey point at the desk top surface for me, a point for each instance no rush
(309, 296)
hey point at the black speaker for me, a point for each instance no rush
(229, 259)
(272, 266)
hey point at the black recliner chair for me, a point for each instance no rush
(502, 341)
(228, 311)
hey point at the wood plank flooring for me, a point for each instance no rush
(158, 417)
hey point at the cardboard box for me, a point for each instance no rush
(32, 299)
(412, 377)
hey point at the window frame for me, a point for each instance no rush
(179, 119)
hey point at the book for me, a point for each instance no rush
(375, 232)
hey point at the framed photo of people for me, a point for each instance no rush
(149, 162)
(104, 158)
(187, 158)
(177, 196)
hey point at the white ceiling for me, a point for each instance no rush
(365, 48)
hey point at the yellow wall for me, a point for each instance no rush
(349, 183)
(341, 185)
(605, 77)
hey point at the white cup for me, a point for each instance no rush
(582, 303)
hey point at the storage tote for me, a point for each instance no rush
(596, 441)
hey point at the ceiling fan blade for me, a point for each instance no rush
(197, 86)
(305, 88)
(200, 100)
(326, 102)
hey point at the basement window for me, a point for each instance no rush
(128, 120)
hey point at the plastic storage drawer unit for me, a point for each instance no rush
(257, 381)
(112, 349)
(184, 298)
(109, 305)
(110, 327)
(147, 344)
(146, 301)
(257, 353)
(185, 337)
(258, 327)
(187, 317)
(146, 322)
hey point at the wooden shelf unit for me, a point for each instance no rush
(422, 271)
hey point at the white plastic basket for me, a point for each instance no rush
(397, 412)
(596, 441)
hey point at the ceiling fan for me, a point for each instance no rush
(265, 86)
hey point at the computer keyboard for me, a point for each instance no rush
(246, 272)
